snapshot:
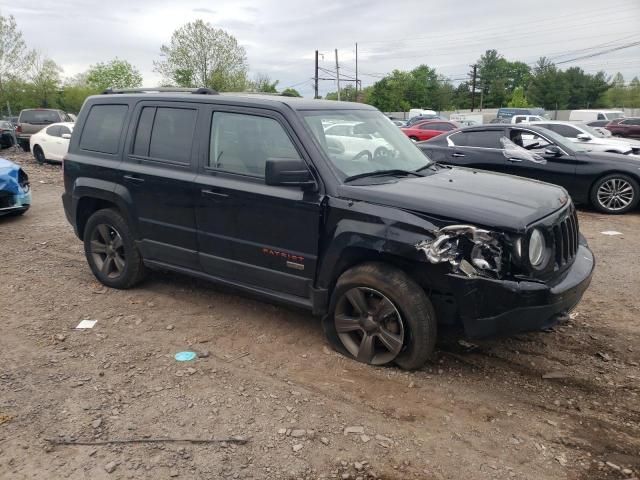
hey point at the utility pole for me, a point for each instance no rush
(338, 74)
(316, 78)
(473, 87)
(356, 72)
(481, 95)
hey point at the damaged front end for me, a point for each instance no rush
(468, 249)
(15, 191)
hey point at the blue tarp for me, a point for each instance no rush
(10, 182)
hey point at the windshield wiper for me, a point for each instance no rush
(383, 173)
(432, 165)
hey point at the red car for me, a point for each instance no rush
(625, 127)
(429, 129)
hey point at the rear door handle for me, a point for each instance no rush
(133, 179)
(457, 155)
(211, 193)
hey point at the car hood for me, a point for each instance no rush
(613, 142)
(464, 195)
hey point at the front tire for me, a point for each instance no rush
(615, 194)
(110, 250)
(379, 315)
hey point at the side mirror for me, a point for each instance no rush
(66, 136)
(584, 137)
(552, 151)
(287, 172)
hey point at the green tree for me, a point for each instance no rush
(74, 92)
(291, 92)
(390, 93)
(347, 94)
(462, 97)
(597, 86)
(492, 75)
(45, 81)
(518, 99)
(263, 83)
(15, 61)
(617, 94)
(116, 73)
(634, 93)
(548, 88)
(200, 55)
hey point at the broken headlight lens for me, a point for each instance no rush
(537, 248)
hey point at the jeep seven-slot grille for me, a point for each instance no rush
(565, 236)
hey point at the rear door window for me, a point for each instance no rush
(103, 128)
(165, 134)
(172, 134)
(478, 138)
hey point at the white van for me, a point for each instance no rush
(592, 115)
(419, 112)
(526, 118)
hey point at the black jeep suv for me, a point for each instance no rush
(322, 205)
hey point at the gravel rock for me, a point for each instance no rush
(298, 433)
(297, 447)
(110, 467)
(355, 429)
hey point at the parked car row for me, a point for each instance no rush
(610, 182)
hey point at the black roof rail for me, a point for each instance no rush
(195, 91)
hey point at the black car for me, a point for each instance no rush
(607, 181)
(247, 191)
(6, 134)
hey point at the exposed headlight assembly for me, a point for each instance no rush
(467, 248)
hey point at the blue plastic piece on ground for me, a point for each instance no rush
(185, 356)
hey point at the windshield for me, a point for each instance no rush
(363, 141)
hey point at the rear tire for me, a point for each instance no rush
(615, 194)
(111, 251)
(39, 155)
(399, 321)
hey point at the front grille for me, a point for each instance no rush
(565, 235)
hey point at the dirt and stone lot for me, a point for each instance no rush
(562, 404)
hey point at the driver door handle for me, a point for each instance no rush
(514, 159)
(458, 154)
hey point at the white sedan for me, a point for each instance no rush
(590, 138)
(52, 142)
(352, 140)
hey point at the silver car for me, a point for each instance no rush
(590, 138)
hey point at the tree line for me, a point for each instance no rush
(198, 55)
(499, 83)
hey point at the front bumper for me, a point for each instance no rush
(15, 203)
(490, 307)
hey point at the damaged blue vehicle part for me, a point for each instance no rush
(15, 191)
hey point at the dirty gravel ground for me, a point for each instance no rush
(269, 376)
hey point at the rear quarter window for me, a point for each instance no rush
(103, 128)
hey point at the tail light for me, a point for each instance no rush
(19, 129)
